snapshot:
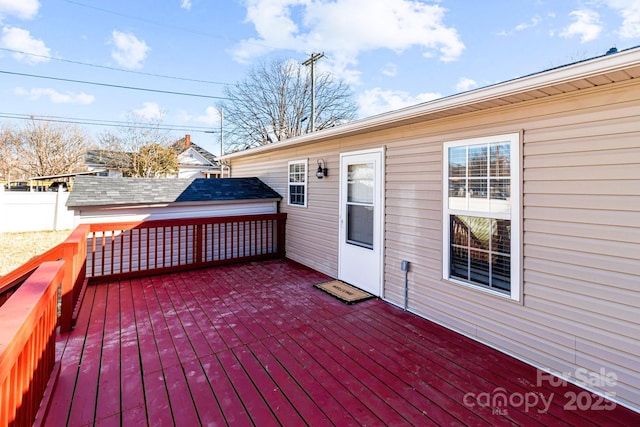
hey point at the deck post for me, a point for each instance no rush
(66, 311)
(199, 244)
(280, 250)
(74, 253)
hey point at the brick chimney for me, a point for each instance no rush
(187, 141)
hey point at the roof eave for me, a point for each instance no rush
(586, 69)
(164, 204)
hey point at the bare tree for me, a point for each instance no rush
(9, 159)
(46, 148)
(273, 103)
(140, 149)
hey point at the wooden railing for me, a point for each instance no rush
(27, 344)
(119, 250)
(29, 294)
(29, 297)
(74, 252)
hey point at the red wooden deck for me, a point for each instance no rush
(256, 344)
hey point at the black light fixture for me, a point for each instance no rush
(322, 170)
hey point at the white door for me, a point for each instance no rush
(361, 220)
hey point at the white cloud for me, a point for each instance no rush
(390, 70)
(186, 4)
(56, 97)
(210, 117)
(23, 9)
(149, 111)
(378, 101)
(522, 26)
(18, 39)
(630, 12)
(129, 51)
(465, 84)
(525, 25)
(587, 25)
(346, 28)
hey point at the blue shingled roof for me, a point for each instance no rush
(110, 191)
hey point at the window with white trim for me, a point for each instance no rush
(297, 179)
(481, 213)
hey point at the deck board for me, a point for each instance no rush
(203, 396)
(232, 408)
(109, 387)
(475, 375)
(397, 371)
(261, 377)
(256, 344)
(286, 381)
(84, 398)
(336, 386)
(132, 387)
(293, 360)
(69, 351)
(256, 407)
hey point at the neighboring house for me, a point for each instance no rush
(517, 206)
(102, 162)
(194, 161)
(113, 199)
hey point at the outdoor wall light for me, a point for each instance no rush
(322, 170)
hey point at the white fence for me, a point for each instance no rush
(34, 211)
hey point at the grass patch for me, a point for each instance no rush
(18, 248)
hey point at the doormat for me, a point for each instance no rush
(344, 292)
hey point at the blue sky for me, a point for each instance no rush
(392, 53)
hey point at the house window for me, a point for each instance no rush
(481, 223)
(298, 183)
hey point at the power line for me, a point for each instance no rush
(114, 68)
(112, 85)
(106, 123)
(164, 25)
(145, 20)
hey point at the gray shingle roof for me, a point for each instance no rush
(110, 191)
(180, 146)
(204, 153)
(104, 157)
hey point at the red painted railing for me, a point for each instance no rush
(29, 294)
(74, 252)
(141, 248)
(27, 344)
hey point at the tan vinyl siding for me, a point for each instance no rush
(312, 231)
(581, 227)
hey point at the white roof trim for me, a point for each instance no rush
(593, 67)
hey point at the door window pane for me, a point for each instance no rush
(360, 225)
(360, 183)
(360, 188)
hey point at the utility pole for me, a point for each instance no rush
(221, 139)
(312, 61)
(221, 133)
